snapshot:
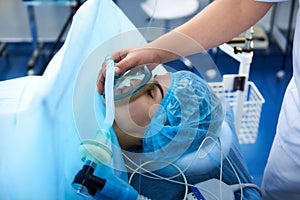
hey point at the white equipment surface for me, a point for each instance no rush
(169, 9)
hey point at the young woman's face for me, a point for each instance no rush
(133, 118)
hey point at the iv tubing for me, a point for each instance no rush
(181, 172)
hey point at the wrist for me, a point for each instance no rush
(160, 54)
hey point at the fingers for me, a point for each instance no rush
(124, 60)
(117, 57)
(119, 54)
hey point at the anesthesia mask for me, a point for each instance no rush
(132, 84)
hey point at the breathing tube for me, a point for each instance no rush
(99, 151)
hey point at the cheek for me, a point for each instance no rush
(152, 110)
(121, 113)
(139, 114)
(132, 118)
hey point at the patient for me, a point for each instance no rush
(171, 117)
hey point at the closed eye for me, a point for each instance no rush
(150, 93)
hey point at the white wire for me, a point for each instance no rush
(221, 170)
(151, 19)
(181, 172)
(188, 166)
(170, 180)
(164, 178)
(170, 163)
(236, 174)
(252, 186)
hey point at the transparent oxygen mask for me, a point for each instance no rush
(131, 84)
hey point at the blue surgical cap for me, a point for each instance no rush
(189, 111)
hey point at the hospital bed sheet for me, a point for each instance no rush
(39, 142)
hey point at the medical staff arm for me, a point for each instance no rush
(219, 22)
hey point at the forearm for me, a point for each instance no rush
(217, 23)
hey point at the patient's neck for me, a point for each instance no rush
(127, 140)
